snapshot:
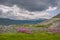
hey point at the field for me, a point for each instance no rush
(34, 36)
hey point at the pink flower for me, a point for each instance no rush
(20, 29)
(54, 30)
(25, 30)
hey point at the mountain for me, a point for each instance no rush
(5, 21)
(57, 16)
(54, 22)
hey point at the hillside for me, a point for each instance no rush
(57, 16)
(55, 21)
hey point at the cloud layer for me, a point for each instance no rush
(32, 5)
(28, 9)
(15, 12)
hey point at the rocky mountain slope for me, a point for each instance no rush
(58, 16)
(55, 23)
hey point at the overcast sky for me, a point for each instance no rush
(29, 9)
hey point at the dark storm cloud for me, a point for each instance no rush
(32, 5)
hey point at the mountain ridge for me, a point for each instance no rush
(6, 21)
(57, 16)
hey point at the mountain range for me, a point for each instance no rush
(5, 21)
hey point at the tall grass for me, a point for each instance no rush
(34, 36)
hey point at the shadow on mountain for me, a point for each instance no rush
(5, 21)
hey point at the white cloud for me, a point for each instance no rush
(51, 8)
(15, 12)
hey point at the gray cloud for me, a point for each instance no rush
(15, 12)
(32, 5)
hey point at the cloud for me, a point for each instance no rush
(32, 5)
(17, 13)
(28, 9)
(51, 8)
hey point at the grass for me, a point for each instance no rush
(34, 36)
(44, 26)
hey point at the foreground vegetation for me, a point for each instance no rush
(34, 36)
(10, 32)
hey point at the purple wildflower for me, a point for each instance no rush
(20, 29)
(25, 30)
(54, 30)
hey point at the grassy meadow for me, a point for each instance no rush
(34, 36)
